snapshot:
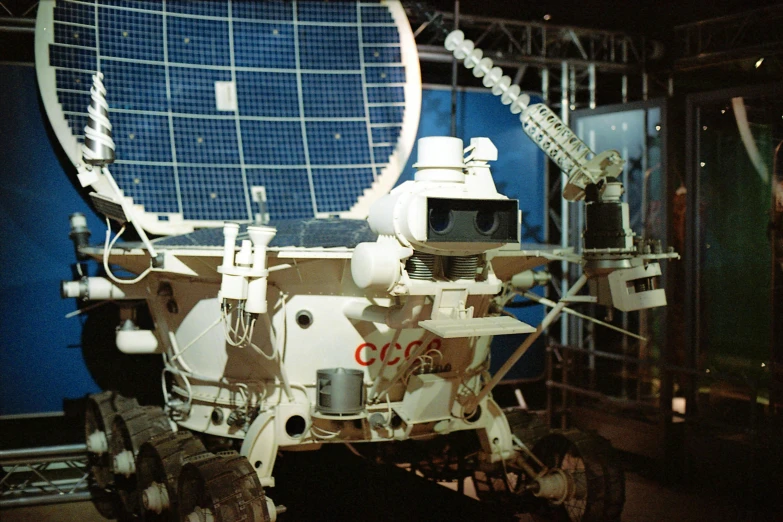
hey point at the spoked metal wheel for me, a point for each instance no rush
(585, 482)
(130, 429)
(158, 466)
(101, 410)
(504, 485)
(221, 489)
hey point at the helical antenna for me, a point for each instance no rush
(98, 148)
(539, 122)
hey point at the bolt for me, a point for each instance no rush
(201, 515)
(97, 443)
(155, 498)
(124, 463)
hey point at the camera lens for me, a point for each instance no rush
(441, 220)
(487, 221)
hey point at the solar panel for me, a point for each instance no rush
(230, 110)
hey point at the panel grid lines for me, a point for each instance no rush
(237, 122)
(74, 24)
(172, 140)
(202, 116)
(320, 23)
(317, 103)
(368, 130)
(303, 124)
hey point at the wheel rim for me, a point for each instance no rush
(592, 465)
(159, 464)
(563, 454)
(225, 488)
(193, 495)
(130, 430)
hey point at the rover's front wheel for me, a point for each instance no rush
(585, 482)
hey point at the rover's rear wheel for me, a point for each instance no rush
(100, 412)
(221, 489)
(158, 464)
(591, 464)
(99, 415)
(130, 429)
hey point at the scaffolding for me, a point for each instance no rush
(750, 35)
(46, 475)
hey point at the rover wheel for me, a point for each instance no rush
(221, 489)
(99, 415)
(130, 429)
(526, 426)
(158, 465)
(590, 461)
(501, 485)
(446, 458)
(106, 502)
(445, 466)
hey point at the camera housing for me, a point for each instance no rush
(453, 220)
(452, 207)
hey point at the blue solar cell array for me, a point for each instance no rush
(318, 87)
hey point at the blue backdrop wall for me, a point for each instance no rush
(40, 359)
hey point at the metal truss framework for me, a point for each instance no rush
(753, 34)
(522, 45)
(47, 475)
(511, 42)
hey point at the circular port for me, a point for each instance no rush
(217, 416)
(441, 220)
(295, 426)
(487, 222)
(304, 318)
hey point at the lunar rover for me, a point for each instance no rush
(287, 336)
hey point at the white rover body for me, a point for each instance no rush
(318, 332)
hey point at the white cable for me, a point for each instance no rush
(301, 387)
(107, 248)
(354, 450)
(193, 341)
(188, 389)
(228, 330)
(175, 348)
(328, 434)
